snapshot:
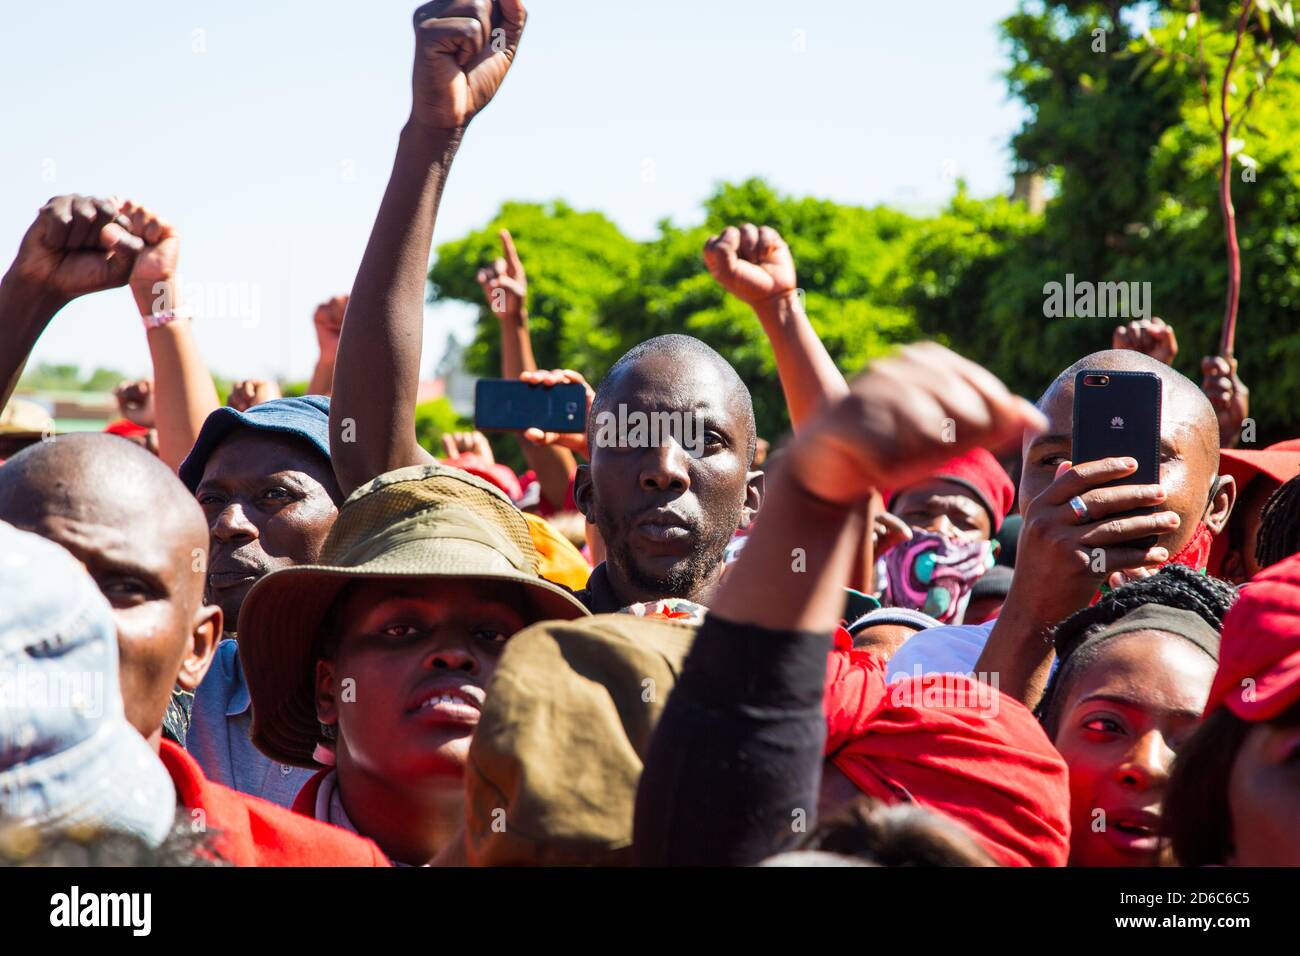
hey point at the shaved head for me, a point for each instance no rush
(100, 476)
(1181, 398)
(142, 536)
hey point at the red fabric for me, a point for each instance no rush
(1196, 552)
(1259, 656)
(1274, 464)
(500, 475)
(544, 508)
(253, 832)
(953, 746)
(305, 802)
(126, 428)
(979, 471)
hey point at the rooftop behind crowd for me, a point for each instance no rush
(282, 632)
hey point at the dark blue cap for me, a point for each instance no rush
(307, 418)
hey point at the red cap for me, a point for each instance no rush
(496, 474)
(980, 472)
(1259, 657)
(1275, 463)
(126, 429)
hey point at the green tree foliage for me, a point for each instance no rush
(593, 293)
(433, 420)
(1117, 124)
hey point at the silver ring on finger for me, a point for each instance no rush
(1080, 509)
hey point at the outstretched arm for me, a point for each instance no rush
(459, 65)
(183, 392)
(754, 264)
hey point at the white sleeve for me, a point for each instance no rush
(951, 649)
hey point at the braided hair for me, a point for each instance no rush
(1279, 525)
(1174, 586)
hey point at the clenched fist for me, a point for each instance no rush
(904, 416)
(76, 246)
(244, 395)
(328, 321)
(463, 50)
(753, 264)
(153, 277)
(1229, 396)
(1153, 337)
(135, 401)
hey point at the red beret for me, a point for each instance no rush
(979, 472)
(1259, 657)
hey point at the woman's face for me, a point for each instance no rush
(1122, 722)
(407, 686)
(1264, 795)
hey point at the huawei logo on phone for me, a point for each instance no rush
(1117, 422)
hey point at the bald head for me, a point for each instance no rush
(101, 477)
(694, 366)
(142, 536)
(1183, 403)
(1189, 444)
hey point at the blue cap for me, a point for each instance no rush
(307, 417)
(68, 757)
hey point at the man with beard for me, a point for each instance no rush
(264, 481)
(666, 508)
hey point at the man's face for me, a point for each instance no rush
(666, 513)
(945, 508)
(421, 653)
(1188, 460)
(268, 502)
(151, 578)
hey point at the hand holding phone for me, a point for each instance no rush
(508, 405)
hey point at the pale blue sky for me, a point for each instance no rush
(265, 131)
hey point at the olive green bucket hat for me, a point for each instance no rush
(428, 521)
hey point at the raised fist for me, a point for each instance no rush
(77, 245)
(135, 401)
(463, 50)
(1153, 337)
(155, 266)
(244, 395)
(504, 283)
(329, 324)
(456, 444)
(753, 264)
(1229, 396)
(903, 417)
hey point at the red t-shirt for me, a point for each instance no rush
(253, 832)
(954, 746)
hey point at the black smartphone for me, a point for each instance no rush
(1117, 414)
(506, 405)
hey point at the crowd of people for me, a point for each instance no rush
(282, 632)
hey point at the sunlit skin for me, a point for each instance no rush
(269, 502)
(141, 537)
(1121, 725)
(665, 515)
(1264, 795)
(945, 508)
(401, 750)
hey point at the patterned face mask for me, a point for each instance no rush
(935, 575)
